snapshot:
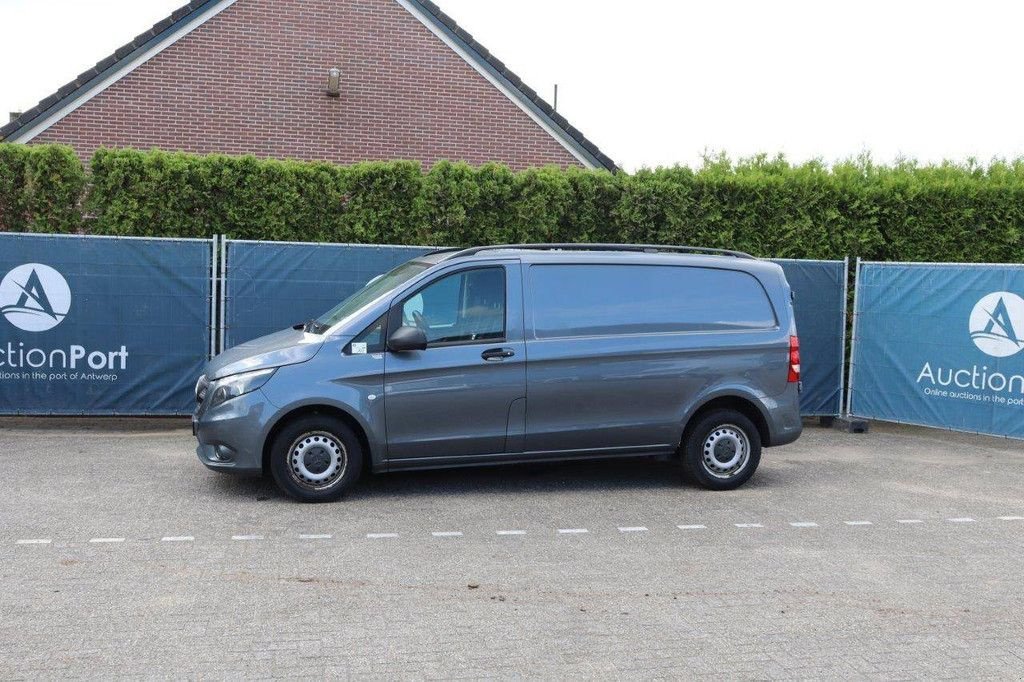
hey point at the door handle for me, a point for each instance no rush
(495, 354)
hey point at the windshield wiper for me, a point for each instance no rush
(314, 326)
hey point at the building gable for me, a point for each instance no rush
(249, 76)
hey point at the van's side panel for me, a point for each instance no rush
(600, 390)
(632, 391)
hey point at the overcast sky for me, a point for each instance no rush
(658, 82)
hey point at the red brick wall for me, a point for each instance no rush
(252, 79)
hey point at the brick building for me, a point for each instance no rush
(254, 77)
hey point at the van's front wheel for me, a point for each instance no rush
(316, 459)
(721, 450)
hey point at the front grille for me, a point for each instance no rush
(201, 387)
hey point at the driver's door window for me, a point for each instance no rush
(465, 307)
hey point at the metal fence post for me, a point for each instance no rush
(842, 346)
(214, 264)
(853, 339)
(223, 289)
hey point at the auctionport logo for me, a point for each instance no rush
(34, 297)
(996, 324)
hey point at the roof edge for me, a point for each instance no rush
(185, 19)
(112, 68)
(527, 97)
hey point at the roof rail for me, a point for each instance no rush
(445, 249)
(638, 248)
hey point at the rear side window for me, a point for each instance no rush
(602, 300)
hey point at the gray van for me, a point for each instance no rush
(524, 353)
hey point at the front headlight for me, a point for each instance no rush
(227, 388)
(202, 384)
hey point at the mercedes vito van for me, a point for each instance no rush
(523, 353)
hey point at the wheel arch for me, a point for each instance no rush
(317, 409)
(746, 405)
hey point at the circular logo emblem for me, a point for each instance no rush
(997, 323)
(34, 297)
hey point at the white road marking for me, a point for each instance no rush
(563, 531)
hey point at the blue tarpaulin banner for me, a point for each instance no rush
(820, 308)
(940, 345)
(274, 285)
(101, 326)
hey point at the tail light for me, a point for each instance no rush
(794, 360)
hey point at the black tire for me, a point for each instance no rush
(316, 458)
(711, 443)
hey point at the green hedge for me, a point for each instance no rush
(40, 189)
(948, 212)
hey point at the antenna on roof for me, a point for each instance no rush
(556, 96)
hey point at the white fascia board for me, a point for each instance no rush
(479, 68)
(120, 70)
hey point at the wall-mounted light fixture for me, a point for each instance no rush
(334, 82)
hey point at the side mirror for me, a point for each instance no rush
(406, 339)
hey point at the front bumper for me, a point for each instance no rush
(220, 458)
(231, 435)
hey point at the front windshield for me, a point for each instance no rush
(374, 289)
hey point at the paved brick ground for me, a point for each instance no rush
(874, 580)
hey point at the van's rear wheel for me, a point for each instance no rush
(316, 458)
(721, 450)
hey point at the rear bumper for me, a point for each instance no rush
(785, 436)
(783, 416)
